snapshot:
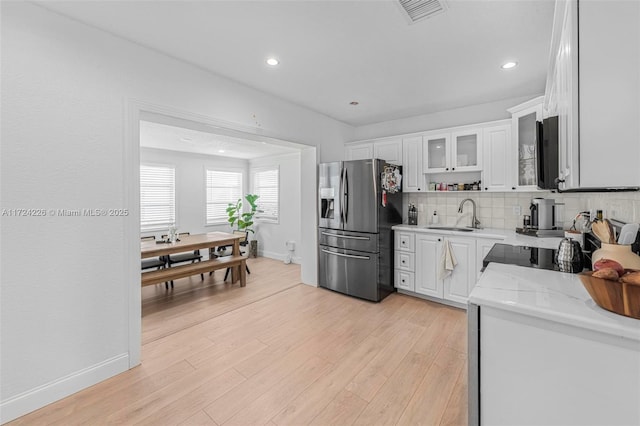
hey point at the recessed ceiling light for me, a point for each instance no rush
(185, 139)
(273, 62)
(354, 103)
(509, 65)
(221, 151)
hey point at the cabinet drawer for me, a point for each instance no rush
(405, 241)
(404, 260)
(404, 280)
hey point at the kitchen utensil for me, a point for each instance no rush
(612, 233)
(628, 233)
(618, 297)
(569, 257)
(601, 230)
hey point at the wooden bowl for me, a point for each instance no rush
(615, 296)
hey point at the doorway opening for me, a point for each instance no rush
(193, 145)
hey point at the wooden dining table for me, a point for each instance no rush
(187, 243)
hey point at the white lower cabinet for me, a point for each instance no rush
(459, 284)
(419, 271)
(405, 280)
(427, 250)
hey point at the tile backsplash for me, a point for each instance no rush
(506, 209)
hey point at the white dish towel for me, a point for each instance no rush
(447, 260)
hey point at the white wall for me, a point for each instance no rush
(440, 120)
(65, 90)
(273, 236)
(190, 185)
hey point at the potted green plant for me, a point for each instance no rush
(243, 220)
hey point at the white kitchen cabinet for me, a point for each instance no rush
(457, 286)
(417, 271)
(427, 253)
(483, 246)
(590, 90)
(359, 151)
(390, 151)
(496, 144)
(459, 150)
(404, 280)
(413, 178)
(524, 118)
(404, 260)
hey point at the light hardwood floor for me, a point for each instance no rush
(278, 352)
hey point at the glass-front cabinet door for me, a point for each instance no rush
(436, 151)
(527, 150)
(524, 134)
(466, 150)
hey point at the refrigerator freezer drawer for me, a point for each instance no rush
(350, 272)
(349, 240)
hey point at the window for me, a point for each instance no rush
(223, 187)
(157, 197)
(266, 185)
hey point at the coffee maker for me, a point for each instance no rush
(543, 213)
(544, 221)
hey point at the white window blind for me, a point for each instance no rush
(223, 187)
(266, 185)
(157, 197)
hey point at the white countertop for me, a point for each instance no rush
(550, 295)
(508, 236)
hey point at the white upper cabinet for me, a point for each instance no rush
(594, 92)
(413, 179)
(496, 144)
(524, 120)
(362, 151)
(390, 151)
(561, 94)
(436, 153)
(466, 153)
(459, 150)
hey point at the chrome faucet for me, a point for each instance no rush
(475, 223)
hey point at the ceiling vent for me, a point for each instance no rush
(417, 10)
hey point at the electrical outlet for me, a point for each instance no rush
(517, 211)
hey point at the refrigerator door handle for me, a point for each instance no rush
(346, 195)
(350, 237)
(352, 256)
(340, 191)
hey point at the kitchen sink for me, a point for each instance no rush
(450, 228)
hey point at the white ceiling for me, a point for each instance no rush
(173, 138)
(334, 52)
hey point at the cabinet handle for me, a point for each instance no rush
(403, 261)
(439, 239)
(513, 187)
(418, 189)
(486, 189)
(453, 168)
(402, 280)
(447, 169)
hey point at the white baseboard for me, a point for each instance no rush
(40, 396)
(278, 256)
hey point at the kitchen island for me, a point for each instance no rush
(542, 352)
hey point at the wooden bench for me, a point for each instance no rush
(173, 273)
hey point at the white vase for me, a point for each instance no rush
(618, 252)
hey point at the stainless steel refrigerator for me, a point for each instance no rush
(359, 202)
